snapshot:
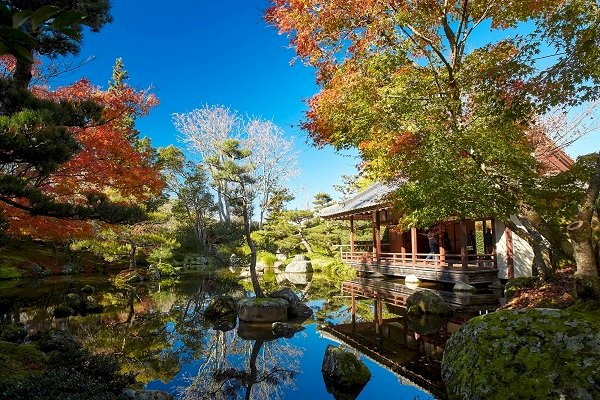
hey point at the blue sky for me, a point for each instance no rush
(217, 53)
(220, 53)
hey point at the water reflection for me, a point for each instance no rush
(234, 368)
(159, 333)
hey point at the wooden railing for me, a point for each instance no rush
(479, 261)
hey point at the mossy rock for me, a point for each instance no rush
(344, 373)
(92, 307)
(428, 302)
(9, 273)
(19, 360)
(73, 300)
(263, 310)
(88, 289)
(14, 332)
(63, 311)
(518, 283)
(525, 354)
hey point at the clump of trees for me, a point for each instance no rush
(422, 98)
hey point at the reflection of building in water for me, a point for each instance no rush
(410, 347)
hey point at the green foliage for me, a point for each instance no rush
(266, 258)
(8, 272)
(57, 366)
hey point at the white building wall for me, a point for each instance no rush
(522, 252)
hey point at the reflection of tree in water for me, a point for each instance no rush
(233, 368)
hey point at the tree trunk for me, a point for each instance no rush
(247, 231)
(542, 249)
(253, 376)
(132, 263)
(23, 73)
(304, 242)
(581, 234)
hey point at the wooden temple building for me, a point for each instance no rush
(472, 251)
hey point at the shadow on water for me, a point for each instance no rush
(159, 334)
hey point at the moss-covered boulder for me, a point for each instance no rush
(518, 283)
(7, 272)
(63, 311)
(18, 361)
(15, 332)
(427, 302)
(88, 289)
(263, 310)
(345, 375)
(525, 354)
(296, 309)
(426, 324)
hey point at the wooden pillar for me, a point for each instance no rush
(510, 266)
(402, 245)
(413, 244)
(442, 247)
(378, 234)
(494, 240)
(380, 312)
(375, 312)
(463, 244)
(373, 236)
(352, 234)
(353, 310)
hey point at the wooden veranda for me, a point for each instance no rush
(456, 258)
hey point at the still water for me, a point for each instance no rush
(157, 331)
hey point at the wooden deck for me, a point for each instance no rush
(472, 269)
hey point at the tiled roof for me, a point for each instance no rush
(371, 198)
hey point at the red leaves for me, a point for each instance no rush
(107, 163)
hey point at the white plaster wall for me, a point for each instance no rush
(501, 250)
(522, 252)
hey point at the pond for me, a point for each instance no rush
(158, 333)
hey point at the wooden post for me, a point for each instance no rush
(510, 266)
(463, 244)
(353, 309)
(494, 256)
(374, 237)
(378, 234)
(442, 247)
(375, 312)
(413, 244)
(380, 311)
(402, 245)
(352, 235)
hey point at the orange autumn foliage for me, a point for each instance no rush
(108, 161)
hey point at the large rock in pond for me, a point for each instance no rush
(461, 286)
(300, 263)
(296, 308)
(263, 309)
(525, 354)
(427, 302)
(345, 375)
